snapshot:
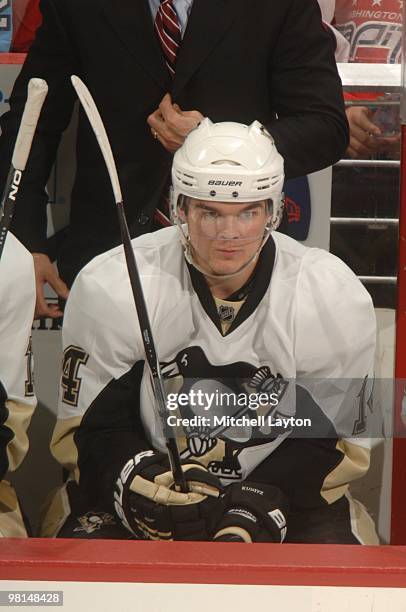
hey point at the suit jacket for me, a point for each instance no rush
(240, 60)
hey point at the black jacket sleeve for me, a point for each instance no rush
(51, 58)
(311, 129)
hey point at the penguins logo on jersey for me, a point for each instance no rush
(218, 447)
(94, 521)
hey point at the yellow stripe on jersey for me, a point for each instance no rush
(18, 420)
(57, 510)
(354, 464)
(63, 446)
(11, 520)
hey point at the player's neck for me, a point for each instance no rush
(222, 288)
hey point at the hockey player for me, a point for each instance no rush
(265, 346)
(17, 399)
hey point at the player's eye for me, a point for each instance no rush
(210, 215)
(248, 215)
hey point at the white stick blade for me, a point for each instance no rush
(37, 91)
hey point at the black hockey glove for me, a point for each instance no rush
(149, 506)
(253, 512)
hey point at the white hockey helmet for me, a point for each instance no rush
(229, 162)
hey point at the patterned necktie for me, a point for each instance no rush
(168, 31)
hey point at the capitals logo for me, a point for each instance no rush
(373, 28)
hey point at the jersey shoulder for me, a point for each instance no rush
(102, 289)
(148, 248)
(332, 312)
(335, 325)
(316, 268)
(17, 279)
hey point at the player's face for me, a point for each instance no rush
(224, 236)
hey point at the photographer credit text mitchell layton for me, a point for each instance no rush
(253, 401)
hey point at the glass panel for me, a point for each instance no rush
(365, 234)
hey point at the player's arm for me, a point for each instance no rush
(51, 58)
(311, 131)
(99, 436)
(17, 399)
(335, 348)
(99, 426)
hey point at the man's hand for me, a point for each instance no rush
(363, 132)
(170, 124)
(45, 272)
(149, 506)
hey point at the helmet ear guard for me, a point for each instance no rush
(277, 213)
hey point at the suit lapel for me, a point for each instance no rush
(132, 22)
(208, 21)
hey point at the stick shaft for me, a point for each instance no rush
(96, 122)
(150, 351)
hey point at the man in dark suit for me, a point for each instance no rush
(238, 61)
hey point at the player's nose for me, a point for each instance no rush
(228, 228)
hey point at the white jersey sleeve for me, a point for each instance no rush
(17, 399)
(333, 329)
(335, 342)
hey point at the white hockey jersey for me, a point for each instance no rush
(17, 298)
(17, 399)
(305, 336)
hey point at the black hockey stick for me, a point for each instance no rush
(143, 319)
(37, 91)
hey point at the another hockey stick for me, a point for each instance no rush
(37, 91)
(147, 338)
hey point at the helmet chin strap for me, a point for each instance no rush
(188, 251)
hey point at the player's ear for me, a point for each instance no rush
(183, 207)
(269, 211)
